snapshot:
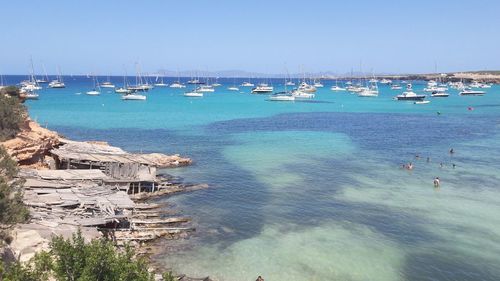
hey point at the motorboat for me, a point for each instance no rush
(31, 96)
(422, 102)
(161, 84)
(440, 95)
(195, 81)
(263, 89)
(304, 87)
(410, 95)
(247, 84)
(177, 85)
(337, 88)
(233, 88)
(298, 94)
(281, 96)
(133, 97)
(122, 90)
(107, 84)
(471, 92)
(289, 83)
(205, 89)
(385, 81)
(193, 94)
(318, 85)
(368, 93)
(56, 84)
(93, 93)
(396, 87)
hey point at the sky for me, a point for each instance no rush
(107, 37)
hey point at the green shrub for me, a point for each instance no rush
(74, 260)
(12, 208)
(12, 113)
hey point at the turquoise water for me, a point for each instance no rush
(314, 190)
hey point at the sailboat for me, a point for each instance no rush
(161, 83)
(234, 87)
(371, 90)
(282, 96)
(336, 87)
(107, 84)
(58, 82)
(124, 89)
(43, 80)
(133, 96)
(96, 90)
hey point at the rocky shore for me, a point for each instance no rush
(92, 186)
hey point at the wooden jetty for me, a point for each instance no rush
(93, 187)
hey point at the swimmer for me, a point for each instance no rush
(436, 182)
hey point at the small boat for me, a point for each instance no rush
(133, 97)
(122, 90)
(368, 93)
(56, 84)
(247, 84)
(337, 88)
(262, 89)
(281, 96)
(470, 92)
(318, 85)
(396, 87)
(177, 85)
(205, 89)
(31, 96)
(304, 87)
(93, 93)
(96, 90)
(440, 95)
(233, 88)
(410, 95)
(422, 102)
(385, 81)
(290, 83)
(298, 94)
(107, 84)
(195, 82)
(161, 83)
(193, 94)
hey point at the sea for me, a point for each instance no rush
(312, 189)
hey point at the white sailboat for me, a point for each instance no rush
(58, 82)
(133, 96)
(336, 87)
(96, 90)
(107, 84)
(161, 83)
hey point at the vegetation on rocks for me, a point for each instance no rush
(12, 113)
(74, 260)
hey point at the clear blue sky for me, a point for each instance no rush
(386, 36)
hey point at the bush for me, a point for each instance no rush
(74, 260)
(12, 113)
(12, 208)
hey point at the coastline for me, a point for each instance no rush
(126, 217)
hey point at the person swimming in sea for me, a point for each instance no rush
(437, 182)
(409, 166)
(452, 151)
(428, 159)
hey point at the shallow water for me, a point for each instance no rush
(314, 190)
